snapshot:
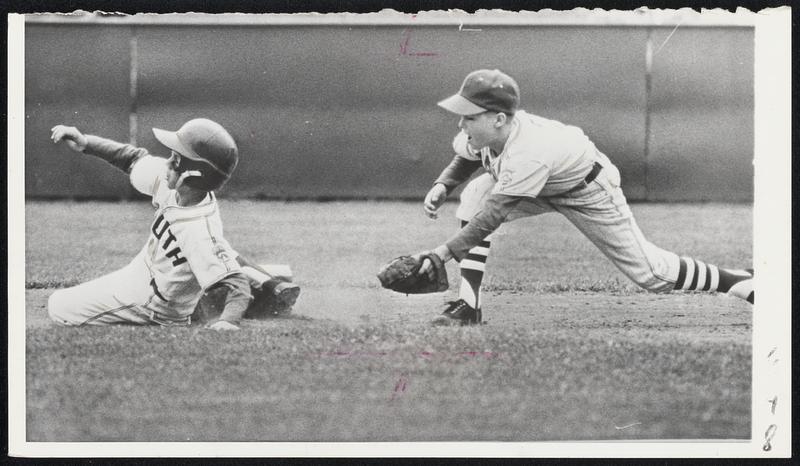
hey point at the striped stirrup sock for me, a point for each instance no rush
(472, 267)
(694, 275)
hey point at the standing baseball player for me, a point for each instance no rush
(534, 165)
(186, 253)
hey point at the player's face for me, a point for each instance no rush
(481, 129)
(172, 169)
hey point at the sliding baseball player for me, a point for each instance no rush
(186, 253)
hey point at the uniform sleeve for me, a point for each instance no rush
(210, 258)
(521, 176)
(237, 296)
(122, 156)
(488, 219)
(459, 171)
(148, 173)
(233, 252)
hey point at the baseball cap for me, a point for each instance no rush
(484, 90)
(202, 140)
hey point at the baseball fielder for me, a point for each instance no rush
(532, 166)
(186, 253)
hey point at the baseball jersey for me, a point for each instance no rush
(185, 252)
(541, 157)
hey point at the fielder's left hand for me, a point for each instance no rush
(427, 267)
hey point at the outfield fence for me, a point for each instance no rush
(344, 106)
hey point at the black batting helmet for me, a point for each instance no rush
(209, 148)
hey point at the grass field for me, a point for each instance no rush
(570, 351)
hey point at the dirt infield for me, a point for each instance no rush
(687, 317)
(570, 349)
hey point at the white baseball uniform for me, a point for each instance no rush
(185, 254)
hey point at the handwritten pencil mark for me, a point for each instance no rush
(427, 355)
(405, 46)
(400, 386)
(772, 353)
(773, 428)
(768, 437)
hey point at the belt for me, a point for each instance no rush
(165, 321)
(589, 178)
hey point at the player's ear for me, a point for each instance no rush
(500, 119)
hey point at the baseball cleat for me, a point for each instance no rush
(459, 313)
(743, 290)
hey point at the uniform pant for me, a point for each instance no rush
(600, 211)
(121, 297)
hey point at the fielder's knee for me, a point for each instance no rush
(657, 273)
(472, 196)
(653, 284)
(58, 310)
(645, 277)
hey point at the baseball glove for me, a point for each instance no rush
(401, 275)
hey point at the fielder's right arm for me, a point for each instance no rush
(463, 165)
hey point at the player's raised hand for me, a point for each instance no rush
(69, 134)
(223, 325)
(434, 199)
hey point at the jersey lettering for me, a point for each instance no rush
(169, 240)
(161, 226)
(157, 223)
(174, 254)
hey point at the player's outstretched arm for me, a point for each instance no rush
(122, 156)
(70, 135)
(237, 298)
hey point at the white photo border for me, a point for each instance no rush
(771, 348)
